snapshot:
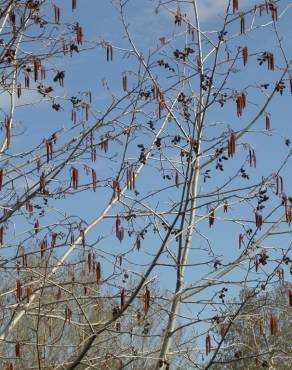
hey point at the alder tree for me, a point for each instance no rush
(145, 180)
(258, 317)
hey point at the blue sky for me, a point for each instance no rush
(89, 70)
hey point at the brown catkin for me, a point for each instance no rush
(245, 55)
(274, 11)
(146, 300)
(208, 344)
(290, 297)
(235, 6)
(231, 145)
(43, 182)
(74, 178)
(89, 262)
(8, 125)
(125, 83)
(271, 63)
(211, 217)
(279, 185)
(242, 24)
(37, 226)
(116, 189)
(1, 235)
(240, 240)
(117, 224)
(19, 291)
(122, 298)
(1, 178)
(176, 179)
(258, 220)
(79, 33)
(273, 325)
(93, 175)
(50, 150)
(109, 53)
(256, 262)
(98, 272)
(26, 81)
(254, 159)
(17, 349)
(43, 247)
(240, 104)
(57, 14)
(19, 90)
(138, 243)
(36, 66)
(268, 122)
(82, 234)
